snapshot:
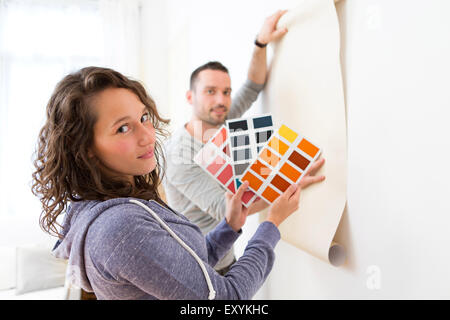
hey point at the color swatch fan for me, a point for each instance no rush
(215, 159)
(283, 161)
(247, 137)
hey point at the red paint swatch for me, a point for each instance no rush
(216, 165)
(225, 175)
(247, 196)
(226, 150)
(220, 138)
(231, 187)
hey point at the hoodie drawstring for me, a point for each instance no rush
(212, 293)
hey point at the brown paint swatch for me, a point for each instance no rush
(299, 160)
(280, 183)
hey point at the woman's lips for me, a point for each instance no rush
(147, 155)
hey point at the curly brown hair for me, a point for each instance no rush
(64, 171)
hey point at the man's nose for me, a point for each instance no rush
(222, 99)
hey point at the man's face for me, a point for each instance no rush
(211, 96)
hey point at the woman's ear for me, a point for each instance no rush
(90, 153)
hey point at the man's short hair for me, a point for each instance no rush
(212, 65)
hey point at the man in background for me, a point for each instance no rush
(189, 190)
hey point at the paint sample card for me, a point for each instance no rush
(283, 161)
(215, 159)
(247, 137)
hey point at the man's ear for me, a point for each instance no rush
(189, 95)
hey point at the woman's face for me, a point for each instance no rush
(124, 137)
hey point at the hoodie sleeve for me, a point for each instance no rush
(219, 241)
(150, 259)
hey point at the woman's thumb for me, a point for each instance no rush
(291, 190)
(241, 190)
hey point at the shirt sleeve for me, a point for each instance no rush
(190, 180)
(244, 98)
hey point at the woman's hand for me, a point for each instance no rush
(236, 213)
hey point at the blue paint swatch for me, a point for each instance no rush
(262, 122)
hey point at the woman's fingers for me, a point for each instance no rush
(228, 195)
(240, 191)
(290, 191)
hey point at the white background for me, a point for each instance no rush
(396, 67)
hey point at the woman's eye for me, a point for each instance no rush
(123, 129)
(145, 117)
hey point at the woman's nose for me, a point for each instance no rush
(147, 134)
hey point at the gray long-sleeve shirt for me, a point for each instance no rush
(120, 251)
(190, 190)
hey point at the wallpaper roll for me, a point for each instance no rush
(304, 91)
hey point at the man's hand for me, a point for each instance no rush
(257, 71)
(269, 32)
(310, 177)
(257, 206)
(289, 201)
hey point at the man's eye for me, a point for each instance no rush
(123, 129)
(227, 93)
(210, 91)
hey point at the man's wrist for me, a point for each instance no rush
(260, 44)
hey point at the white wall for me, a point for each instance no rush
(396, 67)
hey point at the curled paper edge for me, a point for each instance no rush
(337, 254)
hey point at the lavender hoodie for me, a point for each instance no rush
(118, 250)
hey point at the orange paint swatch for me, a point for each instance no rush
(261, 169)
(253, 181)
(269, 157)
(278, 145)
(270, 194)
(290, 172)
(308, 147)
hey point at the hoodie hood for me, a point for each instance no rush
(78, 218)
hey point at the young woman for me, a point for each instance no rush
(97, 162)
